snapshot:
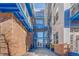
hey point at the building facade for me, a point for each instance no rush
(65, 24)
(15, 32)
(57, 23)
(74, 29)
(60, 42)
(40, 26)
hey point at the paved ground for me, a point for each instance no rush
(41, 52)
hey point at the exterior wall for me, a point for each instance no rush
(58, 31)
(16, 35)
(67, 35)
(74, 38)
(59, 24)
(40, 15)
(67, 23)
(74, 45)
(61, 49)
(45, 16)
(52, 21)
(29, 40)
(26, 13)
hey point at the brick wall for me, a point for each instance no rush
(15, 36)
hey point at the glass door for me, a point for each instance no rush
(39, 39)
(40, 43)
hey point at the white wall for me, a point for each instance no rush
(67, 35)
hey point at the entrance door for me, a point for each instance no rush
(40, 43)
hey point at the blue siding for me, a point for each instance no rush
(72, 21)
(66, 18)
(8, 10)
(29, 9)
(5, 5)
(76, 16)
(73, 54)
(18, 16)
(16, 9)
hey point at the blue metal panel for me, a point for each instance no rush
(43, 40)
(75, 20)
(67, 18)
(73, 54)
(26, 26)
(72, 21)
(25, 21)
(17, 11)
(35, 39)
(40, 26)
(8, 5)
(9, 10)
(18, 16)
(29, 9)
(76, 16)
(35, 35)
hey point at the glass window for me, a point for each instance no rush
(39, 34)
(39, 6)
(56, 37)
(39, 14)
(39, 21)
(45, 34)
(54, 20)
(56, 16)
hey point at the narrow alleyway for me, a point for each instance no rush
(41, 52)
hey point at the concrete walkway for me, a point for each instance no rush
(41, 52)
